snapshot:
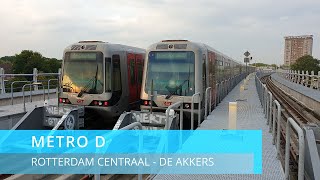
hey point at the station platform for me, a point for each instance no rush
(18, 108)
(249, 116)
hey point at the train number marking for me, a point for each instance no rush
(80, 101)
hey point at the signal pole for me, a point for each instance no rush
(246, 59)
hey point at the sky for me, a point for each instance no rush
(230, 26)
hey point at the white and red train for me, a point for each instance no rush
(181, 68)
(103, 77)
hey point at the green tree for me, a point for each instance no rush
(8, 58)
(51, 65)
(306, 63)
(26, 61)
(274, 65)
(6, 65)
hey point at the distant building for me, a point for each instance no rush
(296, 47)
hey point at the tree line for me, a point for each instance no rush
(24, 62)
(306, 63)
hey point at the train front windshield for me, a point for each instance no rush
(172, 72)
(83, 72)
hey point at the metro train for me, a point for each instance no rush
(105, 78)
(177, 69)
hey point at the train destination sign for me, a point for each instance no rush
(171, 55)
(83, 55)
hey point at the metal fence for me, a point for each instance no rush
(272, 110)
(305, 78)
(7, 81)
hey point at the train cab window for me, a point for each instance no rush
(172, 72)
(108, 74)
(83, 72)
(116, 77)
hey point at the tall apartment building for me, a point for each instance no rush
(296, 47)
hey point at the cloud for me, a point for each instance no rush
(284, 18)
(231, 26)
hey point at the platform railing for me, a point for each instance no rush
(225, 87)
(192, 109)
(302, 77)
(132, 126)
(208, 91)
(269, 108)
(216, 95)
(265, 99)
(221, 90)
(11, 86)
(31, 89)
(128, 127)
(34, 76)
(291, 122)
(23, 94)
(175, 105)
(49, 85)
(274, 117)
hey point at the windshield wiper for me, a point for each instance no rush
(85, 88)
(175, 89)
(88, 85)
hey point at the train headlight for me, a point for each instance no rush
(64, 100)
(187, 106)
(146, 103)
(99, 103)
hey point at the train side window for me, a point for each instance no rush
(108, 74)
(116, 78)
(132, 75)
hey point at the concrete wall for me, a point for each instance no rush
(7, 122)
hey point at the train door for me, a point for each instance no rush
(204, 74)
(139, 71)
(132, 85)
(205, 79)
(116, 77)
(212, 83)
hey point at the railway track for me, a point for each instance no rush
(290, 108)
(293, 108)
